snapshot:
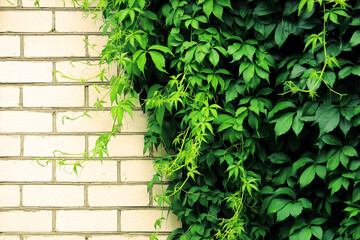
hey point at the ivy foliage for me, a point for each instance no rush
(257, 102)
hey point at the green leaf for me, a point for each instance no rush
(158, 60)
(328, 117)
(225, 3)
(141, 61)
(344, 72)
(334, 161)
(249, 73)
(305, 234)
(218, 11)
(349, 151)
(356, 195)
(231, 93)
(283, 123)
(317, 231)
(161, 48)
(284, 213)
(208, 7)
(307, 176)
(280, 35)
(297, 125)
(355, 39)
(280, 106)
(321, 171)
(214, 57)
(277, 204)
(279, 158)
(301, 162)
(331, 139)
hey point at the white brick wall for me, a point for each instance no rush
(106, 200)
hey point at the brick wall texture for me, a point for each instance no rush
(107, 201)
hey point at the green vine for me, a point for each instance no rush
(255, 102)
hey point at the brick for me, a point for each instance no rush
(9, 46)
(143, 221)
(25, 21)
(24, 171)
(63, 237)
(12, 72)
(97, 44)
(83, 71)
(9, 97)
(44, 146)
(137, 124)
(21, 221)
(4, 237)
(131, 195)
(10, 196)
(93, 221)
(53, 195)
(69, 21)
(123, 145)
(54, 46)
(12, 144)
(6, 3)
(136, 170)
(93, 171)
(48, 3)
(97, 122)
(23, 121)
(53, 96)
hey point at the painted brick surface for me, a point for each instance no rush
(53, 96)
(9, 46)
(94, 221)
(9, 96)
(30, 72)
(47, 71)
(25, 21)
(53, 195)
(10, 196)
(24, 221)
(54, 46)
(131, 195)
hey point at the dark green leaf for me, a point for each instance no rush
(331, 139)
(307, 176)
(283, 123)
(355, 39)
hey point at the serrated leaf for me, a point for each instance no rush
(305, 234)
(141, 61)
(317, 231)
(249, 73)
(297, 125)
(356, 195)
(277, 204)
(331, 139)
(307, 176)
(284, 213)
(214, 57)
(321, 171)
(355, 39)
(279, 158)
(208, 7)
(334, 161)
(280, 106)
(280, 35)
(328, 117)
(301, 162)
(158, 60)
(349, 151)
(283, 124)
(161, 48)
